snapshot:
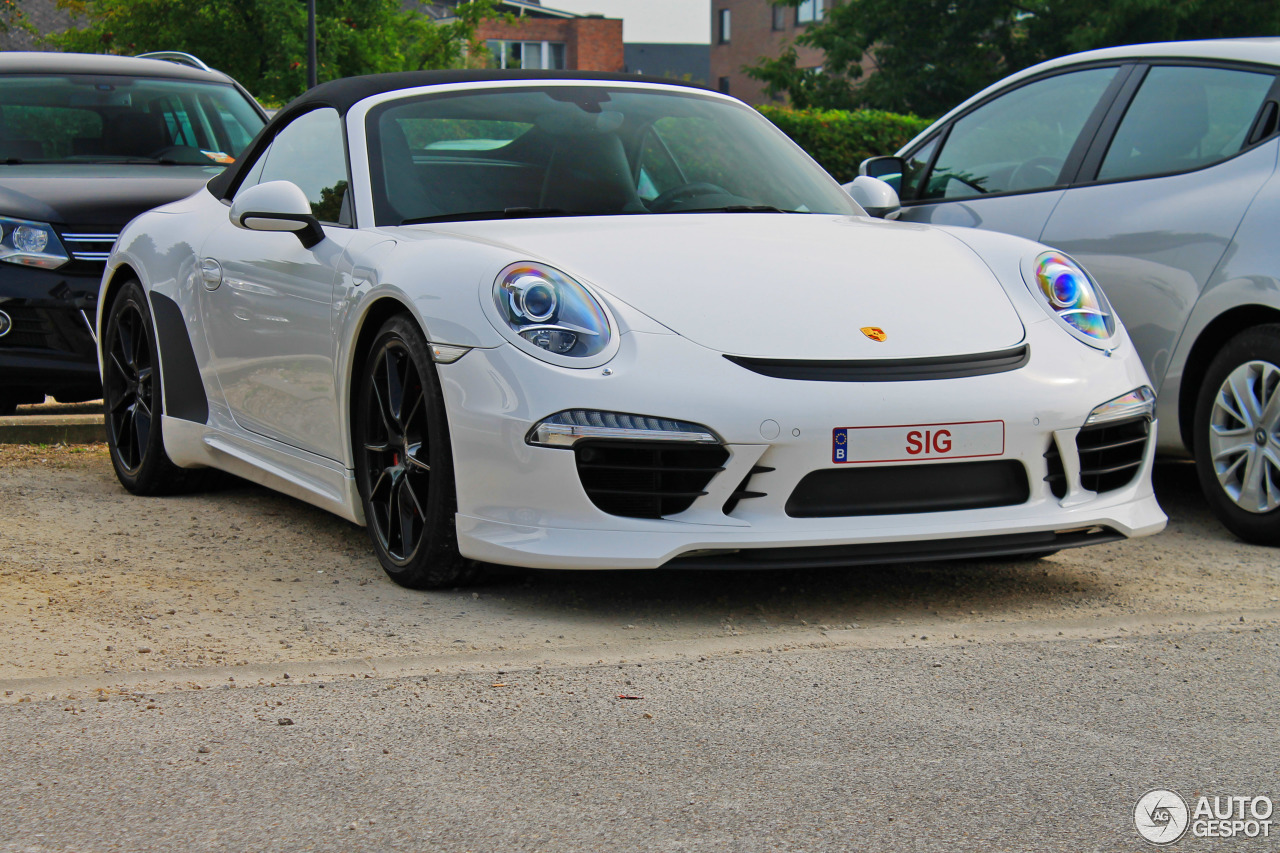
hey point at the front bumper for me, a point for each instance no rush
(50, 348)
(525, 505)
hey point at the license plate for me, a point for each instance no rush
(916, 442)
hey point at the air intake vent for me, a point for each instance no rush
(889, 369)
(906, 489)
(31, 329)
(1111, 454)
(744, 492)
(1057, 476)
(646, 479)
(94, 247)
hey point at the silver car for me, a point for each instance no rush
(1155, 167)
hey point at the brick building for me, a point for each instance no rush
(743, 31)
(542, 37)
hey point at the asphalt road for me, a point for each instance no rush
(172, 683)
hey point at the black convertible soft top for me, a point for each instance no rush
(344, 93)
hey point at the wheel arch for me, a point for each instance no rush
(106, 298)
(378, 312)
(1212, 338)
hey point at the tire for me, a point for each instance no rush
(1237, 435)
(132, 400)
(404, 462)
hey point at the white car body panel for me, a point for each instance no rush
(753, 283)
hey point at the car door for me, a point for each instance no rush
(1002, 165)
(267, 305)
(1162, 191)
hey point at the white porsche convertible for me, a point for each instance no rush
(588, 321)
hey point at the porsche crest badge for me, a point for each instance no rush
(875, 333)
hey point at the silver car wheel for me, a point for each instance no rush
(1244, 436)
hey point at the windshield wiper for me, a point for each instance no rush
(505, 213)
(736, 208)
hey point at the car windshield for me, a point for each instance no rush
(580, 150)
(108, 118)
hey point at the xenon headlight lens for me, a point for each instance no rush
(550, 312)
(1073, 298)
(32, 244)
(27, 238)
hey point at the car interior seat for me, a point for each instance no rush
(18, 149)
(590, 173)
(404, 190)
(135, 135)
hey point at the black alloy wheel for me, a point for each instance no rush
(1237, 435)
(131, 398)
(404, 464)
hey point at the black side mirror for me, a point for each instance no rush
(887, 169)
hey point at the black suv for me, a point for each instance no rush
(86, 144)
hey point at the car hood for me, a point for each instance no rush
(94, 194)
(780, 285)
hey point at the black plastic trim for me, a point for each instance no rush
(889, 369)
(309, 234)
(831, 556)
(909, 489)
(184, 396)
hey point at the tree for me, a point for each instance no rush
(925, 56)
(262, 43)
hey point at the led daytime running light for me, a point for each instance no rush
(564, 429)
(1140, 402)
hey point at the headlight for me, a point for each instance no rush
(1073, 299)
(32, 244)
(553, 317)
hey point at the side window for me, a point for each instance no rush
(1185, 118)
(913, 174)
(1020, 140)
(310, 153)
(254, 176)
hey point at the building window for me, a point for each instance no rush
(779, 17)
(536, 55)
(724, 85)
(724, 26)
(809, 11)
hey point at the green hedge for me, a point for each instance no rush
(840, 139)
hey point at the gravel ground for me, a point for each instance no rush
(96, 582)
(232, 671)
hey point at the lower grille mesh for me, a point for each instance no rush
(902, 489)
(646, 479)
(31, 329)
(1111, 454)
